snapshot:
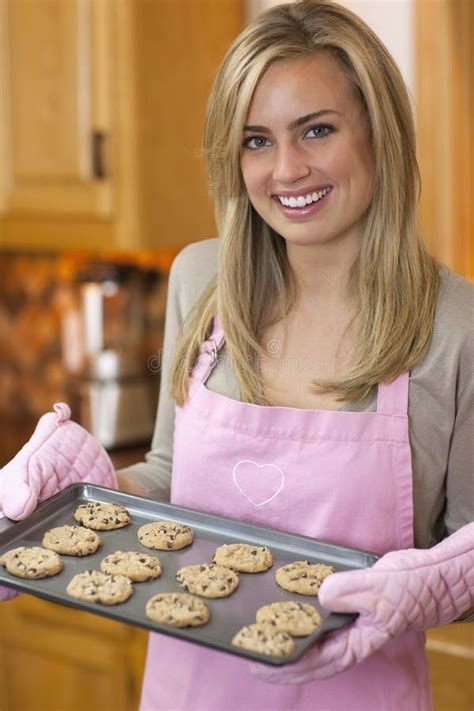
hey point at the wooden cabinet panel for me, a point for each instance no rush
(54, 658)
(50, 105)
(179, 46)
(445, 98)
(51, 52)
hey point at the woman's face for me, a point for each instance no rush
(306, 154)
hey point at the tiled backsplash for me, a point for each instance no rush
(37, 291)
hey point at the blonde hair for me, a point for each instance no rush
(395, 281)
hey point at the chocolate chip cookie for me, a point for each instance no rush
(177, 610)
(71, 540)
(96, 586)
(165, 535)
(264, 639)
(208, 580)
(102, 517)
(303, 577)
(136, 566)
(244, 557)
(297, 618)
(32, 563)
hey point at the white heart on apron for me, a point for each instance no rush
(259, 483)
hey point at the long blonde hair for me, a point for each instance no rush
(395, 281)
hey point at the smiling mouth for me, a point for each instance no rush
(304, 200)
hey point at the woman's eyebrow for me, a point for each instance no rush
(297, 122)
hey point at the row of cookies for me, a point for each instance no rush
(160, 535)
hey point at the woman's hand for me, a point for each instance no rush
(405, 590)
(129, 485)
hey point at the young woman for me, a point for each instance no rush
(317, 336)
(317, 339)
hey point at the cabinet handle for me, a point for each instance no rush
(98, 162)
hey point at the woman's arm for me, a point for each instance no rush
(191, 272)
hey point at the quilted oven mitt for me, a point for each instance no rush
(60, 452)
(405, 590)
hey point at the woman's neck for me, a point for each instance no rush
(322, 274)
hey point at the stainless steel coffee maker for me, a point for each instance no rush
(114, 392)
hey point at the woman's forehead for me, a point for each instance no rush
(299, 86)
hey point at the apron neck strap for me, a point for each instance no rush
(207, 358)
(392, 398)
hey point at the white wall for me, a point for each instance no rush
(392, 20)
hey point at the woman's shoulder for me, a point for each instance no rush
(452, 340)
(454, 310)
(198, 257)
(192, 270)
(456, 297)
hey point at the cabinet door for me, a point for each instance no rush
(55, 81)
(53, 658)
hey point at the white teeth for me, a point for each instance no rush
(302, 201)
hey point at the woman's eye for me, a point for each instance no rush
(255, 142)
(320, 131)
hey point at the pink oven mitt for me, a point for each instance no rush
(60, 452)
(405, 590)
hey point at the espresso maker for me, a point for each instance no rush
(113, 390)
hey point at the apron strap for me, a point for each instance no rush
(207, 358)
(392, 398)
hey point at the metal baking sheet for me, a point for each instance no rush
(228, 614)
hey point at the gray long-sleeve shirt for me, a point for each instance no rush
(441, 399)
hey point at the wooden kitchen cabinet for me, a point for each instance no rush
(57, 72)
(54, 658)
(101, 113)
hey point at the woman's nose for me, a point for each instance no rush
(290, 164)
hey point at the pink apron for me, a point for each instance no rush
(342, 477)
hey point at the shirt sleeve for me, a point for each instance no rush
(441, 418)
(154, 474)
(190, 273)
(460, 470)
